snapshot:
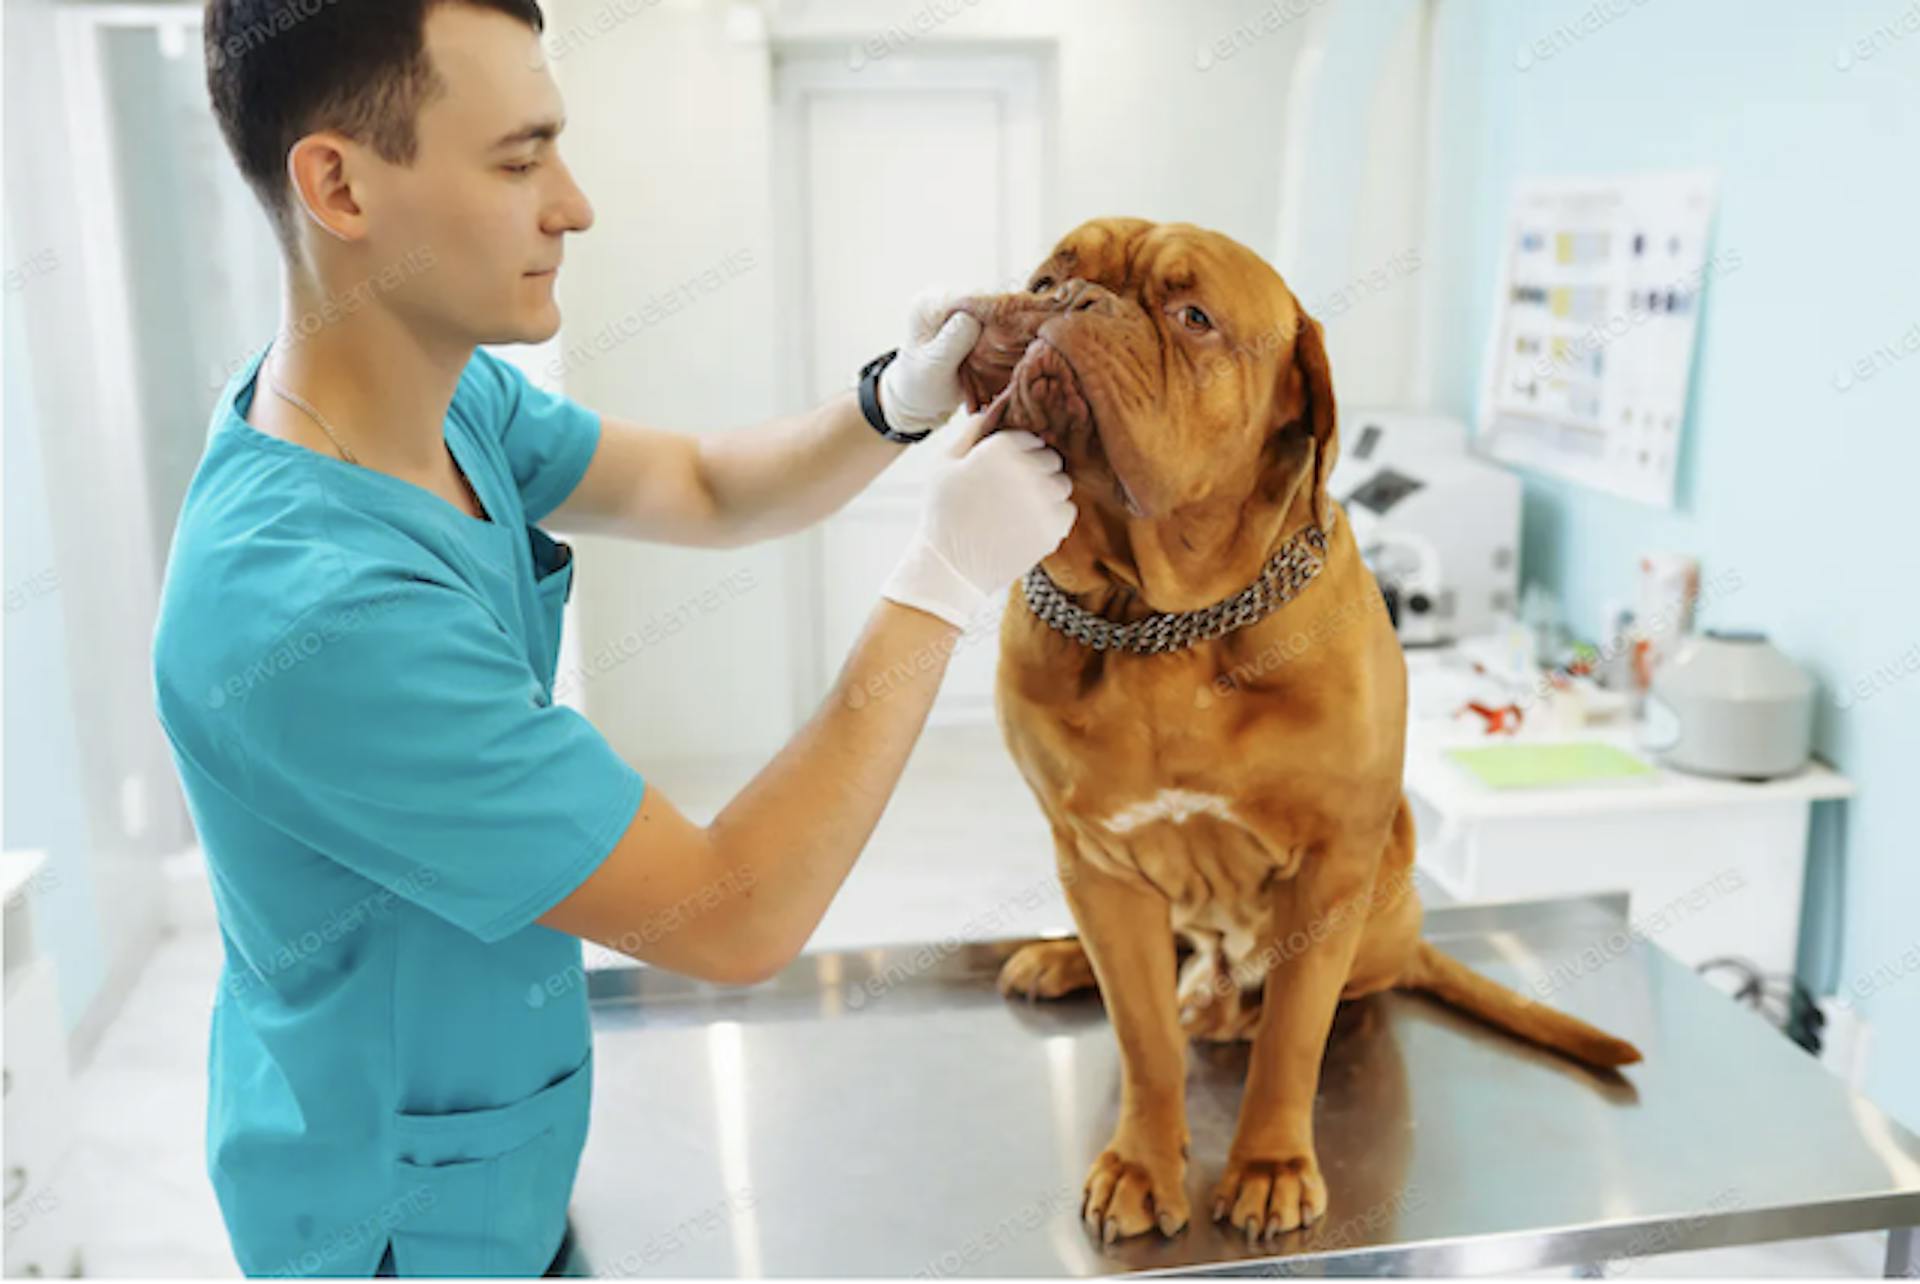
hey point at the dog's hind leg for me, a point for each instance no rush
(1047, 970)
(1213, 1006)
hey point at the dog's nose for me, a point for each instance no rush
(1077, 295)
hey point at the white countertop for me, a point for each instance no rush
(1436, 685)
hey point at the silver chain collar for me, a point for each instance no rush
(1286, 573)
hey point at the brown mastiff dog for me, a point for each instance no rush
(1203, 689)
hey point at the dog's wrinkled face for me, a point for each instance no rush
(1187, 392)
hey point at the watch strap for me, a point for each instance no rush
(870, 400)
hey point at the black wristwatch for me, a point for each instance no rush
(870, 400)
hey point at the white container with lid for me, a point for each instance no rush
(1730, 703)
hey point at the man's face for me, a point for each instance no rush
(487, 197)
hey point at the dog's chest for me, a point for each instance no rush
(1157, 776)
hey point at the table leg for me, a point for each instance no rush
(1903, 1253)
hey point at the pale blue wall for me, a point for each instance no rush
(46, 805)
(1792, 474)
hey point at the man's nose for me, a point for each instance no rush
(571, 211)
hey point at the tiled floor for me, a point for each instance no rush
(961, 852)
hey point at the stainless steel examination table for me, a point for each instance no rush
(886, 1112)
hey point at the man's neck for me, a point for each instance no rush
(384, 389)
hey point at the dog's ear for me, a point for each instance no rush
(1318, 413)
(1307, 436)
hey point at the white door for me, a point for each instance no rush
(893, 176)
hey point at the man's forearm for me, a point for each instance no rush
(786, 474)
(803, 821)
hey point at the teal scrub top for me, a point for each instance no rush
(356, 679)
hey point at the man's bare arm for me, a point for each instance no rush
(786, 475)
(727, 489)
(737, 900)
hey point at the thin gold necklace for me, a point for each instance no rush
(314, 415)
(347, 455)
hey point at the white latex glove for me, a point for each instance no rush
(994, 510)
(920, 388)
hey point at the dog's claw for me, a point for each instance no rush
(1273, 1196)
(1134, 1196)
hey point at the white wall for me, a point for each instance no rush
(103, 901)
(1348, 231)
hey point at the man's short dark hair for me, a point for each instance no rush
(278, 70)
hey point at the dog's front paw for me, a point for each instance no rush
(1047, 970)
(1269, 1195)
(1136, 1185)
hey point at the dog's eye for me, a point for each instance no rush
(1195, 320)
(1042, 285)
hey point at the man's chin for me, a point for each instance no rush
(532, 328)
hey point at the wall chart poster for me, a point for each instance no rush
(1594, 324)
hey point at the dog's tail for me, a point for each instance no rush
(1452, 982)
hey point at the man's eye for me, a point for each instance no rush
(1195, 320)
(527, 168)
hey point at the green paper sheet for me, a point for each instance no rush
(1537, 766)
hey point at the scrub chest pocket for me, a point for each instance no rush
(553, 585)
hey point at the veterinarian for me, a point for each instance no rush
(354, 659)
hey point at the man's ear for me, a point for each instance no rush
(1311, 380)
